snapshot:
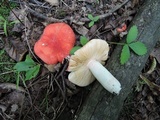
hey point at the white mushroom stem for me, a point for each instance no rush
(107, 80)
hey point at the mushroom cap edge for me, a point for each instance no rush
(96, 49)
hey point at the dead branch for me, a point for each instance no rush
(109, 13)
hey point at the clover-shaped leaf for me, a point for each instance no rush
(125, 54)
(138, 47)
(132, 34)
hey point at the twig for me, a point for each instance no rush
(63, 88)
(66, 4)
(35, 5)
(107, 14)
(80, 103)
(26, 35)
(61, 111)
(39, 15)
(8, 72)
(7, 116)
(14, 13)
(63, 95)
(54, 113)
(29, 95)
(37, 2)
(63, 70)
(113, 10)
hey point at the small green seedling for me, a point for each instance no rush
(28, 66)
(137, 47)
(5, 24)
(93, 19)
(83, 41)
(4, 13)
(74, 49)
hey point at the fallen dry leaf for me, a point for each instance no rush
(15, 48)
(135, 2)
(82, 30)
(156, 53)
(151, 85)
(153, 66)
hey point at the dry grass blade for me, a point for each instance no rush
(150, 84)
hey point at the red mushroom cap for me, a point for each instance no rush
(55, 43)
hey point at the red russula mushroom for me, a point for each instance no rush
(55, 43)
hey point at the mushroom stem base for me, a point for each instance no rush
(107, 80)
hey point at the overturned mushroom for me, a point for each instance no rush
(55, 43)
(87, 64)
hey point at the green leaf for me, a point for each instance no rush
(1, 52)
(32, 72)
(96, 19)
(22, 66)
(2, 18)
(5, 28)
(91, 23)
(1, 23)
(74, 49)
(132, 34)
(90, 16)
(14, 22)
(25, 65)
(125, 54)
(83, 40)
(30, 68)
(138, 47)
(17, 80)
(97, 1)
(29, 60)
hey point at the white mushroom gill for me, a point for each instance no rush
(87, 64)
(106, 79)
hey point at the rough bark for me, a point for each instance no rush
(100, 104)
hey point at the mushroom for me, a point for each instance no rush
(55, 43)
(87, 64)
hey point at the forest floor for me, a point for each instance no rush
(50, 95)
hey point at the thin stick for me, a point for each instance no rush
(116, 43)
(14, 13)
(39, 15)
(12, 71)
(107, 14)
